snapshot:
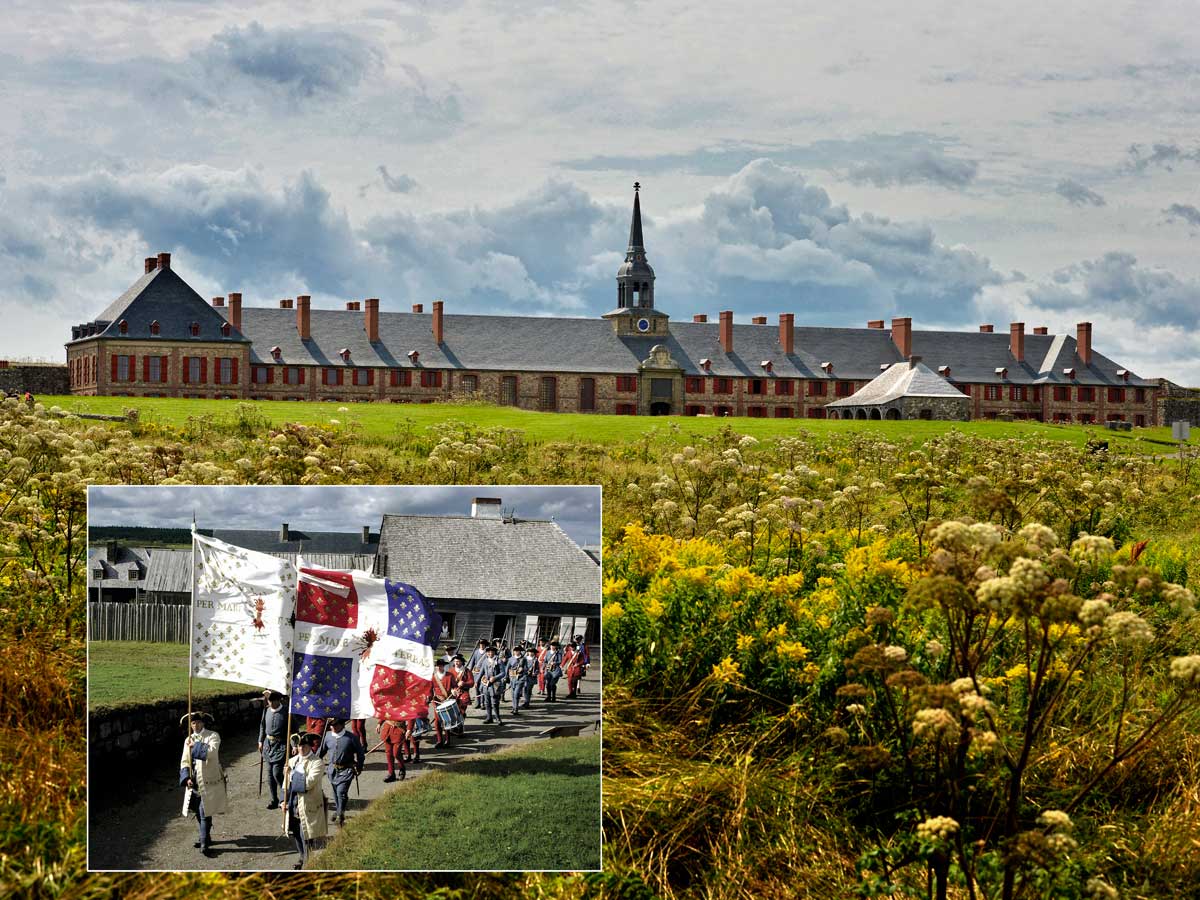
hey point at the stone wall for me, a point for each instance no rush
(151, 732)
(36, 378)
(1177, 403)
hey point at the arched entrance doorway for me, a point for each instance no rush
(660, 408)
(860, 414)
(875, 414)
(893, 413)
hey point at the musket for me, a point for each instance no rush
(262, 751)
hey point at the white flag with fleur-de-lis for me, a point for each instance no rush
(242, 608)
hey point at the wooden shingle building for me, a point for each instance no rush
(160, 338)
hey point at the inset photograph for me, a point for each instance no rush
(392, 678)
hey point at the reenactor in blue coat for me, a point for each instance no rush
(518, 674)
(345, 759)
(272, 732)
(552, 665)
(474, 663)
(491, 684)
(531, 674)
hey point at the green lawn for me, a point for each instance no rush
(126, 673)
(383, 420)
(534, 806)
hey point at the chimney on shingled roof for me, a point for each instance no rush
(164, 260)
(726, 333)
(1016, 340)
(235, 310)
(787, 332)
(303, 317)
(902, 335)
(700, 317)
(151, 264)
(437, 322)
(1041, 329)
(1083, 342)
(985, 329)
(372, 322)
(875, 323)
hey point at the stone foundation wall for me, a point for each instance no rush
(37, 379)
(151, 733)
(1177, 403)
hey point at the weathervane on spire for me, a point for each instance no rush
(636, 186)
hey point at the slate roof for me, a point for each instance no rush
(116, 570)
(465, 558)
(308, 542)
(902, 380)
(534, 344)
(164, 297)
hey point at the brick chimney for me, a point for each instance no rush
(985, 329)
(373, 319)
(902, 335)
(235, 310)
(366, 529)
(787, 333)
(151, 264)
(164, 260)
(218, 302)
(1016, 340)
(759, 320)
(418, 307)
(284, 537)
(303, 302)
(700, 317)
(727, 330)
(285, 304)
(486, 508)
(875, 323)
(352, 306)
(1083, 342)
(437, 322)
(1041, 329)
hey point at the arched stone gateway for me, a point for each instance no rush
(893, 413)
(875, 414)
(860, 414)
(833, 414)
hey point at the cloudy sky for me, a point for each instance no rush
(312, 508)
(956, 162)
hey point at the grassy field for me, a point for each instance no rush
(126, 673)
(381, 421)
(536, 806)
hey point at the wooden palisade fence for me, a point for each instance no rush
(163, 623)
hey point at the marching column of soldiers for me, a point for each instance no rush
(334, 750)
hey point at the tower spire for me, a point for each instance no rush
(635, 224)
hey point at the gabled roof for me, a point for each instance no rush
(903, 379)
(164, 297)
(116, 571)
(465, 558)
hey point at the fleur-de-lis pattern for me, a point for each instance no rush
(320, 605)
(321, 685)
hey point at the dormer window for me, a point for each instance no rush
(194, 328)
(706, 365)
(123, 327)
(944, 371)
(344, 353)
(225, 329)
(1002, 372)
(276, 353)
(1123, 374)
(1070, 373)
(413, 356)
(827, 367)
(767, 365)
(883, 367)
(154, 327)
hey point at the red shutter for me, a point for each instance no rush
(162, 368)
(370, 377)
(341, 376)
(302, 371)
(204, 370)
(145, 368)
(114, 367)
(324, 375)
(187, 370)
(270, 374)
(235, 374)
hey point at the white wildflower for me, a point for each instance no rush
(937, 828)
(1054, 818)
(1186, 670)
(934, 649)
(1094, 612)
(895, 654)
(1129, 630)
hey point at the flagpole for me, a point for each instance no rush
(191, 644)
(291, 670)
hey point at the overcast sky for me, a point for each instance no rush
(575, 509)
(956, 162)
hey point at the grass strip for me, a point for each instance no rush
(130, 673)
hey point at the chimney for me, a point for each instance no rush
(111, 548)
(164, 260)
(875, 323)
(285, 304)
(485, 508)
(352, 306)
(700, 317)
(985, 329)
(727, 330)
(437, 322)
(373, 319)
(366, 531)
(787, 333)
(218, 302)
(235, 310)
(1083, 342)
(912, 361)
(1041, 329)
(758, 320)
(418, 307)
(302, 316)
(151, 264)
(284, 537)
(902, 335)
(1016, 340)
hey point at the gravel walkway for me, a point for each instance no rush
(138, 826)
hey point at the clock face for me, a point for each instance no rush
(643, 324)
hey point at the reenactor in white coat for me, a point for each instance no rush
(200, 770)
(305, 798)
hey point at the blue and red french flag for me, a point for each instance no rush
(363, 646)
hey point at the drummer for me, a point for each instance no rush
(444, 688)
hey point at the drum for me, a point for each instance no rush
(449, 714)
(421, 729)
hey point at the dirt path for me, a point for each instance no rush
(137, 825)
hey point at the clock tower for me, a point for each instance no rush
(635, 313)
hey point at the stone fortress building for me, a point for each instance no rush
(160, 338)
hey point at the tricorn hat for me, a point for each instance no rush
(196, 714)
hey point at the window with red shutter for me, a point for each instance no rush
(145, 368)
(114, 368)
(162, 368)
(694, 385)
(783, 412)
(783, 388)
(204, 370)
